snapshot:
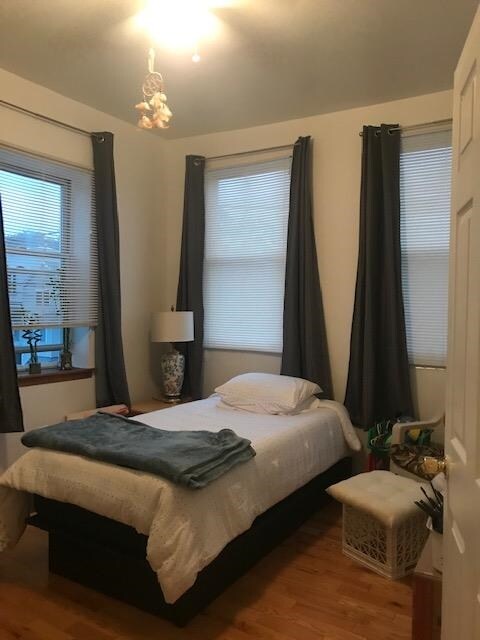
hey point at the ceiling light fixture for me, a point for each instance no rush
(154, 112)
(175, 24)
(178, 24)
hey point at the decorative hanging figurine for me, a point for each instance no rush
(153, 110)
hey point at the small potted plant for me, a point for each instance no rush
(65, 362)
(33, 337)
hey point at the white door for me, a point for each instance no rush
(461, 578)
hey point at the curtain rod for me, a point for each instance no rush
(412, 127)
(246, 153)
(40, 116)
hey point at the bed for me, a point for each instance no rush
(164, 548)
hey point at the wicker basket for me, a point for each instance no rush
(391, 552)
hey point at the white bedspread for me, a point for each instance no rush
(186, 528)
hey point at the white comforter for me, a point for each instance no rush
(186, 528)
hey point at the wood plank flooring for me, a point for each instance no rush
(304, 590)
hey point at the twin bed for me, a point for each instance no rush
(169, 549)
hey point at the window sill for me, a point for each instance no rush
(49, 376)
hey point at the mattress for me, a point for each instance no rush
(186, 529)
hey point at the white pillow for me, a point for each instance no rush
(303, 407)
(266, 392)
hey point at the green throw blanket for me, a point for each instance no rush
(190, 458)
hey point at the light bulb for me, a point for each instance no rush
(179, 24)
(195, 57)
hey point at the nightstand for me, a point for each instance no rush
(147, 406)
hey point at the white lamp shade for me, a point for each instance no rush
(172, 326)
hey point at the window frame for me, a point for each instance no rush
(405, 252)
(63, 255)
(245, 259)
(65, 220)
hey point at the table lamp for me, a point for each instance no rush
(172, 326)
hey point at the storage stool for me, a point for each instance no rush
(382, 527)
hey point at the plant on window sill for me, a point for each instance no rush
(33, 337)
(65, 363)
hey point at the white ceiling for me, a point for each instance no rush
(273, 59)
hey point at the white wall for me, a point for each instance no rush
(137, 156)
(336, 165)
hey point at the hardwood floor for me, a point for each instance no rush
(304, 590)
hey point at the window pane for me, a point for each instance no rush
(21, 196)
(46, 358)
(34, 289)
(245, 255)
(50, 335)
(50, 231)
(246, 317)
(425, 179)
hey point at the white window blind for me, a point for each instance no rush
(50, 237)
(245, 255)
(425, 179)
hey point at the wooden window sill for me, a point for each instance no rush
(49, 376)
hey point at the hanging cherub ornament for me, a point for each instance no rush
(154, 112)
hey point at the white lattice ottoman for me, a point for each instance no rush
(382, 527)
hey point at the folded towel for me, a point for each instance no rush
(190, 458)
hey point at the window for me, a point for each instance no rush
(245, 254)
(425, 179)
(50, 239)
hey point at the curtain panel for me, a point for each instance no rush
(11, 418)
(378, 384)
(190, 282)
(305, 349)
(110, 377)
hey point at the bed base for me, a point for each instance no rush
(110, 557)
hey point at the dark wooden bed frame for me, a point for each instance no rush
(110, 557)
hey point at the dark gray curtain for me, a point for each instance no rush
(190, 282)
(378, 378)
(305, 350)
(110, 378)
(11, 418)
